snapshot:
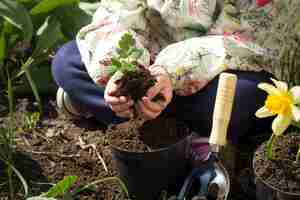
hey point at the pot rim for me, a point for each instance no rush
(185, 139)
(266, 183)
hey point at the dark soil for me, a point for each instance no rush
(282, 172)
(135, 84)
(57, 151)
(53, 150)
(152, 135)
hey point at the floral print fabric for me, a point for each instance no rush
(194, 40)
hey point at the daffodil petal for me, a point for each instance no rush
(270, 89)
(263, 112)
(295, 92)
(283, 86)
(281, 123)
(296, 113)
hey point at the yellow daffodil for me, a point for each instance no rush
(281, 102)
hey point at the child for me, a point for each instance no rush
(186, 63)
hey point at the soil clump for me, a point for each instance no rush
(135, 84)
(155, 134)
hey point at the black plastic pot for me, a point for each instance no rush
(147, 174)
(265, 191)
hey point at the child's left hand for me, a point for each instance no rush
(147, 106)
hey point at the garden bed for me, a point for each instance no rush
(62, 147)
(59, 147)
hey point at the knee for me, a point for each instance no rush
(61, 62)
(248, 99)
(248, 95)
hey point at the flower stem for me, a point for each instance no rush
(269, 147)
(298, 155)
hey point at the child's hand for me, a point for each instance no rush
(122, 106)
(148, 107)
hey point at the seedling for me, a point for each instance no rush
(135, 79)
(30, 121)
(62, 189)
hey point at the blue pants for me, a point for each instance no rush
(196, 110)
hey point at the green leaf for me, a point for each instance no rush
(42, 77)
(61, 187)
(116, 62)
(2, 46)
(24, 1)
(48, 5)
(296, 124)
(10, 98)
(125, 43)
(135, 53)
(128, 67)
(49, 34)
(17, 15)
(40, 198)
(72, 19)
(112, 69)
(19, 175)
(32, 83)
(269, 146)
(115, 66)
(13, 35)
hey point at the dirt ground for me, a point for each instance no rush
(59, 147)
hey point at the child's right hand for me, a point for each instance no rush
(122, 106)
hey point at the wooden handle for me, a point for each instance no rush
(223, 108)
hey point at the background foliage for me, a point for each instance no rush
(282, 38)
(30, 31)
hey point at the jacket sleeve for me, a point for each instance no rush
(192, 63)
(188, 15)
(98, 41)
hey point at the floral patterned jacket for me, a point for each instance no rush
(194, 40)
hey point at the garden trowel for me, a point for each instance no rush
(210, 180)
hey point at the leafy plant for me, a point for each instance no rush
(126, 61)
(63, 188)
(285, 104)
(282, 43)
(133, 79)
(7, 147)
(30, 121)
(30, 30)
(281, 39)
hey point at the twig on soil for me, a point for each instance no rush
(53, 153)
(83, 145)
(26, 141)
(40, 183)
(148, 148)
(39, 134)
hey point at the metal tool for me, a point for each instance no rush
(211, 181)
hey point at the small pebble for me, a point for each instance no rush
(50, 133)
(52, 164)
